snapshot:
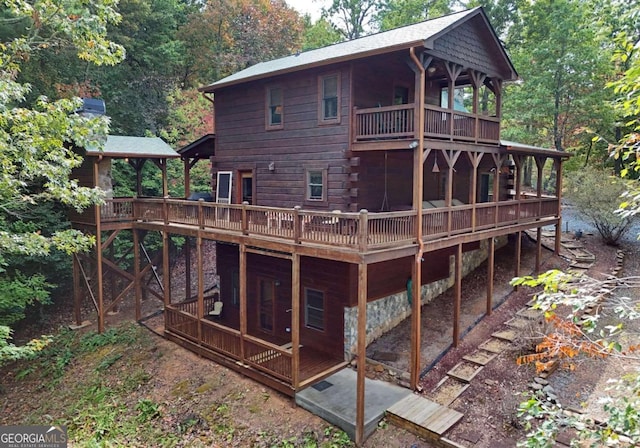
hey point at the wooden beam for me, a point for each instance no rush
(187, 178)
(187, 266)
(490, 274)
(457, 296)
(558, 242)
(361, 352)
(295, 321)
(166, 268)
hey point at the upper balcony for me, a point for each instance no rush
(398, 122)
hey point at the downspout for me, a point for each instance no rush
(418, 162)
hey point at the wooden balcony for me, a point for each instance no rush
(397, 122)
(361, 232)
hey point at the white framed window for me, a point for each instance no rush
(314, 306)
(329, 98)
(316, 181)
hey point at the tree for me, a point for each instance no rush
(319, 34)
(595, 192)
(397, 13)
(622, 425)
(350, 17)
(564, 67)
(37, 142)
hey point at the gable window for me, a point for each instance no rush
(275, 108)
(314, 309)
(316, 184)
(329, 99)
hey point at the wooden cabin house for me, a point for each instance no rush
(346, 180)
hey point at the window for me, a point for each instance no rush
(316, 181)
(400, 95)
(274, 108)
(329, 99)
(462, 98)
(314, 309)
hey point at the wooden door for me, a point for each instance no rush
(245, 187)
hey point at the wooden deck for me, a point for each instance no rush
(423, 417)
(244, 351)
(358, 232)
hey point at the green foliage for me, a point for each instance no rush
(396, 13)
(319, 34)
(350, 17)
(596, 193)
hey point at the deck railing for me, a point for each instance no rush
(361, 231)
(393, 122)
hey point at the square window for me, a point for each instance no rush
(314, 309)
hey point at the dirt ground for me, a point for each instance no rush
(189, 387)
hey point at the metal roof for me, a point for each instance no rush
(384, 42)
(134, 147)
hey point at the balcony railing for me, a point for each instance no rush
(359, 231)
(393, 122)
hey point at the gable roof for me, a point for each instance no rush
(419, 34)
(120, 146)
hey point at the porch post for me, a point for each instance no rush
(200, 286)
(295, 320)
(187, 267)
(77, 298)
(361, 350)
(458, 297)
(166, 274)
(490, 270)
(136, 273)
(418, 185)
(558, 166)
(98, 217)
(538, 248)
(187, 178)
(243, 296)
(518, 255)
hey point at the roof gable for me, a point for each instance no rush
(135, 147)
(419, 34)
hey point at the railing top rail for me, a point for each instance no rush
(369, 110)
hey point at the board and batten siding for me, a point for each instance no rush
(242, 140)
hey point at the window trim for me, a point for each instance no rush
(323, 310)
(321, 98)
(307, 191)
(267, 108)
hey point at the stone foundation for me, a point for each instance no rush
(384, 314)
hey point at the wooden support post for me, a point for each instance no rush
(558, 242)
(100, 280)
(490, 274)
(518, 254)
(295, 320)
(200, 285)
(136, 273)
(243, 297)
(166, 274)
(187, 178)
(187, 267)
(77, 296)
(361, 351)
(416, 322)
(112, 278)
(538, 249)
(458, 297)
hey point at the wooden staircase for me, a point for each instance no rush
(423, 417)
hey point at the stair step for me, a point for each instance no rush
(495, 345)
(448, 390)
(481, 357)
(465, 371)
(423, 417)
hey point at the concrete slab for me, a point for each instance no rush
(336, 402)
